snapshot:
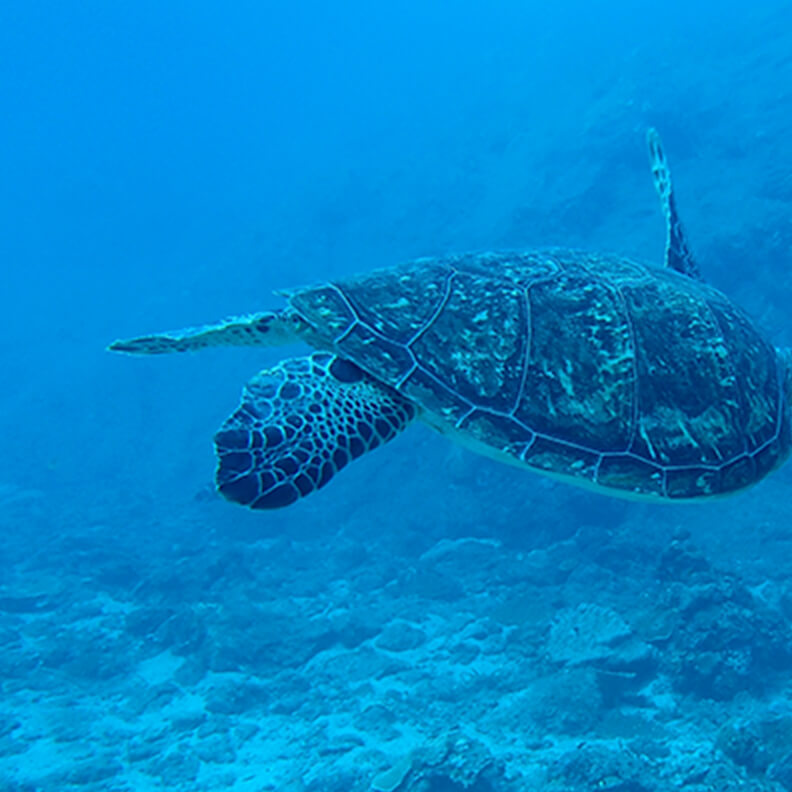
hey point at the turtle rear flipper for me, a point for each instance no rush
(298, 424)
(268, 328)
(678, 255)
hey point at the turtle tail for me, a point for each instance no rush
(298, 424)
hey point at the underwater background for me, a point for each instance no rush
(431, 620)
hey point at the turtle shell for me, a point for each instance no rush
(597, 368)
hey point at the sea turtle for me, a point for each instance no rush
(599, 370)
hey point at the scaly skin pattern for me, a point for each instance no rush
(593, 367)
(299, 424)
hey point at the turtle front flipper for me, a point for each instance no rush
(678, 255)
(269, 328)
(298, 424)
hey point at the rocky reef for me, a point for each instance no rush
(604, 659)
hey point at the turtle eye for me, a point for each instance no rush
(345, 371)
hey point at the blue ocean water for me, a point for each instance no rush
(431, 620)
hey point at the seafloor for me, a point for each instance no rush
(636, 650)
